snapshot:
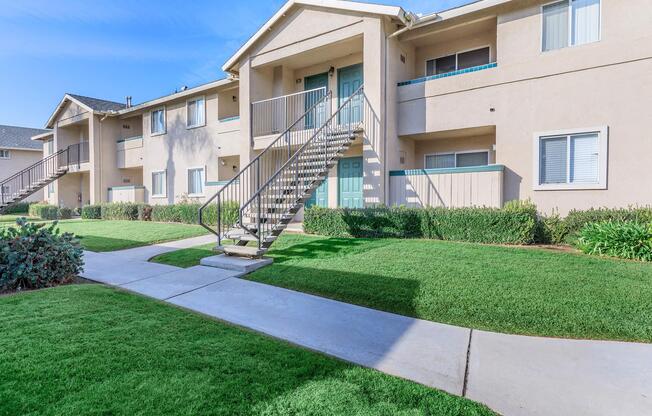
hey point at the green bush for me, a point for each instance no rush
(144, 212)
(34, 256)
(17, 208)
(625, 239)
(91, 212)
(576, 220)
(44, 211)
(65, 213)
(120, 211)
(188, 213)
(516, 224)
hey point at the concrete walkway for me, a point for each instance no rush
(514, 375)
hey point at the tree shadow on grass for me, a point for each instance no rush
(324, 248)
(103, 244)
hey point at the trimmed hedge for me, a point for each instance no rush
(126, 211)
(515, 224)
(44, 211)
(188, 213)
(18, 208)
(576, 220)
(91, 212)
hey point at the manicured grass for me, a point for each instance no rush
(186, 257)
(97, 235)
(529, 291)
(9, 218)
(89, 349)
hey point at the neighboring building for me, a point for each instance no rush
(478, 105)
(17, 152)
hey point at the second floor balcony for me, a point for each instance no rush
(129, 152)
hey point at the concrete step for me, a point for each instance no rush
(242, 251)
(238, 264)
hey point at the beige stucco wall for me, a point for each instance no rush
(599, 84)
(19, 160)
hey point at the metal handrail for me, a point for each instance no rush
(272, 115)
(288, 95)
(272, 146)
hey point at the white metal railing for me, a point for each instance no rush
(274, 115)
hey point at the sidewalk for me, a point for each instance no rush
(514, 375)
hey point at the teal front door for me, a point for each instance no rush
(349, 173)
(317, 117)
(320, 196)
(349, 79)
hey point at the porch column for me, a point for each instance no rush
(374, 88)
(95, 165)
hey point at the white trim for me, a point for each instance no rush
(603, 158)
(203, 181)
(165, 184)
(425, 69)
(488, 151)
(22, 149)
(189, 100)
(165, 121)
(570, 26)
(8, 152)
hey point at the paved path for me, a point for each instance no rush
(147, 252)
(514, 375)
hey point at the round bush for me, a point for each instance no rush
(34, 256)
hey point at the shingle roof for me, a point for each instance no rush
(99, 105)
(20, 137)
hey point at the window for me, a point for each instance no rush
(570, 23)
(158, 121)
(159, 183)
(5, 154)
(6, 190)
(50, 144)
(573, 160)
(457, 160)
(460, 60)
(195, 112)
(196, 181)
(50, 188)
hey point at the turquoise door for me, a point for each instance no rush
(318, 117)
(320, 196)
(349, 79)
(349, 173)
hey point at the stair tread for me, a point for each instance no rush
(244, 251)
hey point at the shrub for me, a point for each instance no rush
(17, 208)
(513, 225)
(44, 211)
(65, 213)
(34, 256)
(576, 220)
(551, 229)
(91, 212)
(144, 212)
(188, 213)
(625, 239)
(120, 211)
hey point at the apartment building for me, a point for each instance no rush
(18, 152)
(474, 106)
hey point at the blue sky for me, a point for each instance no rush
(113, 48)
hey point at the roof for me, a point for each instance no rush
(474, 6)
(95, 104)
(14, 137)
(391, 11)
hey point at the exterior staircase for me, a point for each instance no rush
(35, 177)
(254, 208)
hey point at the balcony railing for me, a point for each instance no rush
(275, 115)
(78, 153)
(449, 74)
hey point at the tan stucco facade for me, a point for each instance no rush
(502, 109)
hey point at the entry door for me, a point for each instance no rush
(349, 79)
(349, 173)
(318, 117)
(320, 196)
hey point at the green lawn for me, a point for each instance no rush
(187, 257)
(506, 289)
(88, 349)
(98, 235)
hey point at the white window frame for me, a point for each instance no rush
(457, 64)
(165, 121)
(570, 26)
(188, 101)
(487, 151)
(165, 183)
(603, 158)
(203, 168)
(5, 154)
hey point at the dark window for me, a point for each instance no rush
(473, 58)
(458, 61)
(441, 65)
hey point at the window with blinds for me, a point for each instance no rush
(196, 181)
(159, 180)
(572, 159)
(569, 23)
(457, 160)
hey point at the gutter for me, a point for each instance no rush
(414, 21)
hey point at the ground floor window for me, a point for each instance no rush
(575, 159)
(159, 182)
(196, 179)
(457, 159)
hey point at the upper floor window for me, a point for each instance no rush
(196, 112)
(457, 61)
(196, 179)
(50, 147)
(572, 160)
(569, 23)
(158, 121)
(457, 160)
(5, 154)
